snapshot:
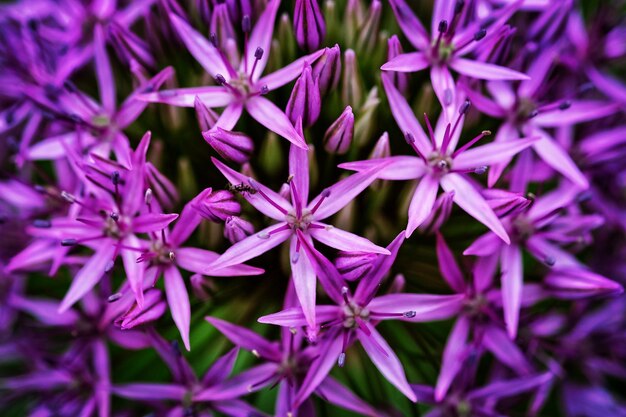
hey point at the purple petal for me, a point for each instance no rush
(448, 266)
(201, 49)
(445, 90)
(294, 317)
(247, 339)
(336, 393)
(269, 115)
(411, 62)
(403, 114)
(299, 171)
(304, 280)
(393, 167)
(342, 240)
(485, 245)
(473, 203)
(388, 364)
(555, 156)
(221, 368)
(329, 351)
(239, 385)
(512, 281)
(427, 307)
(152, 222)
(485, 71)
(422, 202)
(230, 116)
(491, 153)
(454, 356)
(579, 111)
(178, 301)
(198, 260)
(250, 247)
(212, 96)
(135, 271)
(410, 24)
(89, 275)
(148, 392)
(106, 82)
(507, 352)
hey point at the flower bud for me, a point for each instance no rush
(338, 137)
(221, 24)
(218, 206)
(286, 39)
(153, 308)
(351, 90)
(399, 79)
(237, 229)
(305, 101)
(232, 146)
(354, 265)
(365, 124)
(506, 203)
(369, 30)
(327, 69)
(308, 24)
(381, 149)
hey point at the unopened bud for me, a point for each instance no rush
(327, 70)
(237, 229)
(351, 89)
(206, 116)
(232, 146)
(305, 101)
(217, 206)
(399, 79)
(370, 29)
(308, 24)
(354, 265)
(338, 137)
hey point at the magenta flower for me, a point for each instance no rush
(542, 230)
(526, 113)
(448, 42)
(440, 163)
(98, 128)
(355, 316)
(286, 365)
(239, 86)
(215, 391)
(298, 220)
(165, 255)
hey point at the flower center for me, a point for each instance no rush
(352, 312)
(303, 222)
(116, 226)
(523, 228)
(440, 164)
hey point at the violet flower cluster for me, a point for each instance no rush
(312, 207)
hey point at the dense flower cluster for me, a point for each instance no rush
(442, 232)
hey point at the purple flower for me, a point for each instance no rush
(165, 255)
(239, 86)
(286, 364)
(440, 163)
(298, 220)
(542, 230)
(355, 316)
(451, 38)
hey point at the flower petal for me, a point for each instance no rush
(198, 260)
(512, 281)
(485, 71)
(427, 307)
(212, 96)
(290, 72)
(392, 168)
(299, 172)
(89, 275)
(201, 49)
(104, 75)
(342, 240)
(304, 281)
(250, 247)
(448, 266)
(422, 202)
(491, 153)
(411, 62)
(555, 156)
(178, 301)
(261, 37)
(389, 365)
(247, 339)
(473, 203)
(453, 357)
(269, 115)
